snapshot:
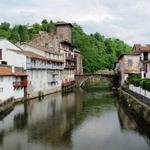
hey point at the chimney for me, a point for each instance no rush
(13, 69)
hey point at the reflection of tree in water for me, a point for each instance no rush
(129, 120)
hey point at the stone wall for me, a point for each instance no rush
(141, 109)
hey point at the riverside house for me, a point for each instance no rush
(126, 65)
(49, 62)
(60, 41)
(13, 83)
(144, 51)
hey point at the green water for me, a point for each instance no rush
(81, 120)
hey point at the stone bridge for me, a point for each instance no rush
(81, 79)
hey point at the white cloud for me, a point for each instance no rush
(124, 19)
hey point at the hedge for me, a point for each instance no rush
(138, 82)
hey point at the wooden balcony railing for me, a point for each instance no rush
(70, 58)
(20, 83)
(67, 66)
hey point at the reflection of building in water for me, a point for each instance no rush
(47, 122)
(129, 121)
(56, 128)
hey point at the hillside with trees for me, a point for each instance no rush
(98, 51)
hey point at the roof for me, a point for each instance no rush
(7, 71)
(69, 44)
(50, 49)
(34, 55)
(129, 54)
(30, 54)
(142, 48)
(77, 51)
(64, 23)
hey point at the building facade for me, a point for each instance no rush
(144, 52)
(13, 83)
(126, 65)
(49, 62)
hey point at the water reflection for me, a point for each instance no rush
(78, 120)
(129, 121)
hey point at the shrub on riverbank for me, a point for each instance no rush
(137, 81)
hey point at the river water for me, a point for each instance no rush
(80, 120)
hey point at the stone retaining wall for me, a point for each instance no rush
(142, 109)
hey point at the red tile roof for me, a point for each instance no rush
(142, 48)
(7, 71)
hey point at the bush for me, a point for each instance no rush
(148, 85)
(143, 84)
(136, 82)
(134, 79)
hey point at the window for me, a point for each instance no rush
(1, 79)
(130, 62)
(1, 90)
(46, 45)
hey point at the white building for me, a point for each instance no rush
(13, 83)
(39, 76)
(56, 61)
(8, 57)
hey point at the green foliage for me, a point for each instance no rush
(98, 52)
(138, 82)
(144, 84)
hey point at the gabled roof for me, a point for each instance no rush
(141, 48)
(7, 71)
(34, 55)
(128, 54)
(49, 50)
(30, 54)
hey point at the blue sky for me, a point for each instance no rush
(124, 19)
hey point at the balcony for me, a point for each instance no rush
(55, 67)
(69, 66)
(70, 58)
(68, 83)
(18, 84)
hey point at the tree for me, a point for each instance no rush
(15, 36)
(23, 32)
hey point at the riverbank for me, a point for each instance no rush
(136, 103)
(8, 105)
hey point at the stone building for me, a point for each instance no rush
(127, 65)
(144, 52)
(60, 40)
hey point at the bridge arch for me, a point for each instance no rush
(81, 79)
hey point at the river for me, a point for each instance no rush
(80, 120)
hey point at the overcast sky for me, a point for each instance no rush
(128, 20)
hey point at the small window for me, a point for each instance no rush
(0, 54)
(46, 45)
(1, 79)
(130, 62)
(1, 90)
